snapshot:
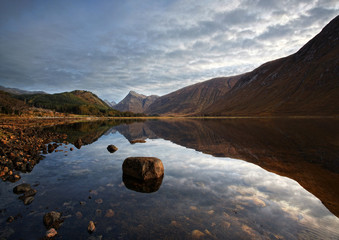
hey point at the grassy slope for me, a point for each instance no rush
(77, 102)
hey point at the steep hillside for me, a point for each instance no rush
(90, 98)
(194, 98)
(135, 102)
(304, 84)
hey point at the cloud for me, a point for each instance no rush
(154, 47)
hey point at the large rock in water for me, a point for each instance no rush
(143, 168)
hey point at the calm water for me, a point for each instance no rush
(206, 186)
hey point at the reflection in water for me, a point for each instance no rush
(89, 132)
(143, 186)
(200, 195)
(306, 150)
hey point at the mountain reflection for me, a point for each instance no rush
(306, 150)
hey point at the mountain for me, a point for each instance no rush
(19, 91)
(302, 84)
(193, 98)
(111, 104)
(135, 102)
(77, 102)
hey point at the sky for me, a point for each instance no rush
(149, 46)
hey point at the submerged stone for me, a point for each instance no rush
(109, 213)
(51, 233)
(52, 219)
(28, 200)
(30, 193)
(10, 219)
(78, 215)
(22, 188)
(91, 227)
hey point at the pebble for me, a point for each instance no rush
(10, 219)
(91, 227)
(51, 233)
(210, 212)
(98, 212)
(52, 219)
(109, 213)
(196, 234)
(174, 223)
(78, 215)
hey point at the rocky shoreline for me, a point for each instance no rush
(21, 146)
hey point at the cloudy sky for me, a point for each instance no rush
(149, 46)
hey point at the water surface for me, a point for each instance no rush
(223, 179)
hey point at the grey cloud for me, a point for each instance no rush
(275, 32)
(112, 47)
(311, 18)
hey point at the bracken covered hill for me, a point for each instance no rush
(194, 98)
(304, 84)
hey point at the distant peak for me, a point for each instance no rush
(133, 93)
